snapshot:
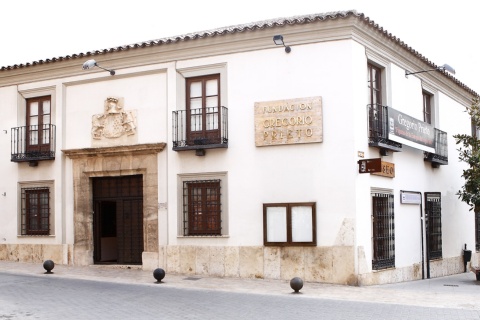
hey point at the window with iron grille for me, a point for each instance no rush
(202, 209)
(433, 213)
(35, 215)
(383, 227)
(289, 224)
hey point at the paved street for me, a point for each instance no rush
(103, 293)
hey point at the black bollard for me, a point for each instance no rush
(296, 284)
(48, 265)
(467, 256)
(159, 274)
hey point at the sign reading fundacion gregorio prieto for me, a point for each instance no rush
(288, 121)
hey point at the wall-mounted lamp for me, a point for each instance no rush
(4, 194)
(445, 67)
(89, 64)
(278, 39)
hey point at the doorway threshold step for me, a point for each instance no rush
(118, 266)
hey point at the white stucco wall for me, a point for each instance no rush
(325, 173)
(413, 174)
(318, 172)
(146, 94)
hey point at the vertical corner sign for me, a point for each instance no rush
(369, 165)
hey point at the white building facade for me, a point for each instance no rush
(219, 153)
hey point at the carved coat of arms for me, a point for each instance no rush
(114, 121)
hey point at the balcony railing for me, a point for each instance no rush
(204, 128)
(33, 143)
(440, 157)
(378, 127)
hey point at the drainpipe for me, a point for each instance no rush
(422, 226)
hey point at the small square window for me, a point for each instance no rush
(289, 224)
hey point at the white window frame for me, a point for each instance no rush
(385, 66)
(197, 71)
(34, 93)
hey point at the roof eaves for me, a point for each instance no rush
(199, 35)
(259, 25)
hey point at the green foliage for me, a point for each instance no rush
(469, 152)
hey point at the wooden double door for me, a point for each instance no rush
(118, 219)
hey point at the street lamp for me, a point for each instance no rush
(89, 64)
(445, 67)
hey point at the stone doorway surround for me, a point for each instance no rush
(113, 161)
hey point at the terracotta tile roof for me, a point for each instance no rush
(302, 19)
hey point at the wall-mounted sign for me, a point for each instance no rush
(377, 167)
(387, 170)
(369, 165)
(410, 131)
(409, 197)
(288, 121)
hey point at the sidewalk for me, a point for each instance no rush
(457, 291)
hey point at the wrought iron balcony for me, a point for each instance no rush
(440, 157)
(378, 127)
(197, 129)
(33, 143)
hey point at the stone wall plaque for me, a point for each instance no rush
(290, 121)
(114, 122)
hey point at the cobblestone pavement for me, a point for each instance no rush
(97, 292)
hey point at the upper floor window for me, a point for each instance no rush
(35, 140)
(427, 107)
(203, 103)
(38, 123)
(374, 84)
(200, 121)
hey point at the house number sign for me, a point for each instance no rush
(387, 169)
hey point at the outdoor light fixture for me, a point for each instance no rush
(278, 39)
(89, 64)
(445, 67)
